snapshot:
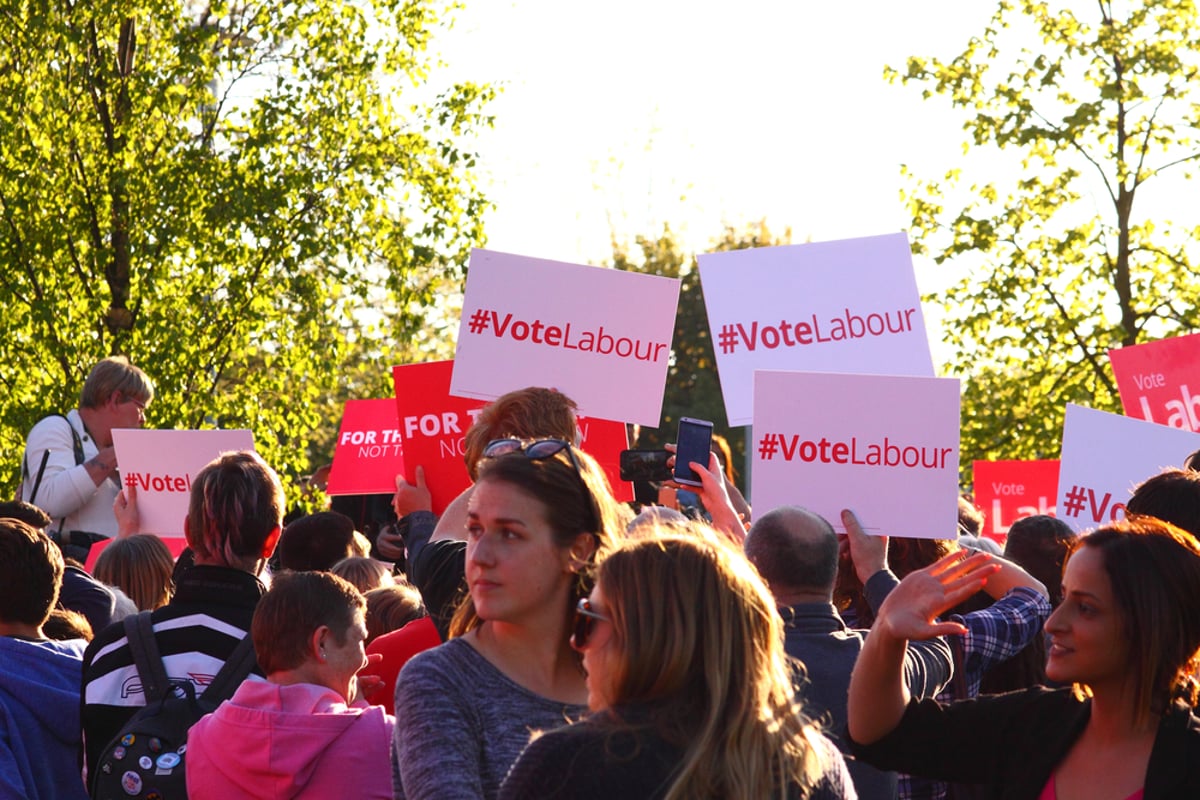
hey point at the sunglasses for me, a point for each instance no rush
(536, 449)
(541, 449)
(585, 623)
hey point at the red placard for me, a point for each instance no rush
(1007, 490)
(433, 424)
(369, 453)
(1160, 381)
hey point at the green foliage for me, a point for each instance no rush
(228, 193)
(693, 387)
(1054, 263)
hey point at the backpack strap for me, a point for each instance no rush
(139, 631)
(237, 668)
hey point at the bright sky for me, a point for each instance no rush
(619, 117)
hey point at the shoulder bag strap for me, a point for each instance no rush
(237, 668)
(139, 631)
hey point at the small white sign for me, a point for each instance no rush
(885, 447)
(162, 464)
(1104, 458)
(849, 306)
(600, 336)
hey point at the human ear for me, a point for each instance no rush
(581, 552)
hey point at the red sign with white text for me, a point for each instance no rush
(1160, 381)
(369, 454)
(1006, 491)
(433, 424)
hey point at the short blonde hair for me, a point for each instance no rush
(115, 375)
(365, 573)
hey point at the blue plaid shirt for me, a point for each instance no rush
(994, 634)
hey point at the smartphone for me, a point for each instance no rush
(693, 443)
(645, 465)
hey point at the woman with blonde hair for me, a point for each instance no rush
(141, 567)
(691, 688)
(539, 518)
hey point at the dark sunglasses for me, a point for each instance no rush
(585, 623)
(538, 450)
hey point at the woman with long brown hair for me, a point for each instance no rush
(539, 517)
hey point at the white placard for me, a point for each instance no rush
(600, 336)
(885, 447)
(1105, 456)
(848, 306)
(162, 464)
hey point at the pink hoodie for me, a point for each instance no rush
(281, 742)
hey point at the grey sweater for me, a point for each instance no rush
(460, 724)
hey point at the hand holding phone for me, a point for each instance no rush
(693, 443)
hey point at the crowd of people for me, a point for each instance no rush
(539, 639)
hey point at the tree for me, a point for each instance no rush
(229, 193)
(693, 386)
(1057, 263)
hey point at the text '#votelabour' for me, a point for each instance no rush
(539, 332)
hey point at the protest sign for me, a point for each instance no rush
(369, 454)
(433, 424)
(849, 306)
(161, 466)
(176, 544)
(885, 447)
(1008, 490)
(1105, 456)
(600, 336)
(1160, 381)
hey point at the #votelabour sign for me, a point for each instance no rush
(849, 306)
(1160, 381)
(161, 466)
(600, 336)
(369, 453)
(885, 447)
(1105, 456)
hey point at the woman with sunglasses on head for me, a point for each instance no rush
(1126, 635)
(691, 688)
(540, 516)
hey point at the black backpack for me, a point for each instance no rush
(146, 757)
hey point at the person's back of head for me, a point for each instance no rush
(1039, 544)
(31, 572)
(364, 572)
(28, 513)
(64, 625)
(390, 608)
(1173, 496)
(317, 542)
(235, 512)
(795, 551)
(970, 518)
(530, 413)
(141, 566)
